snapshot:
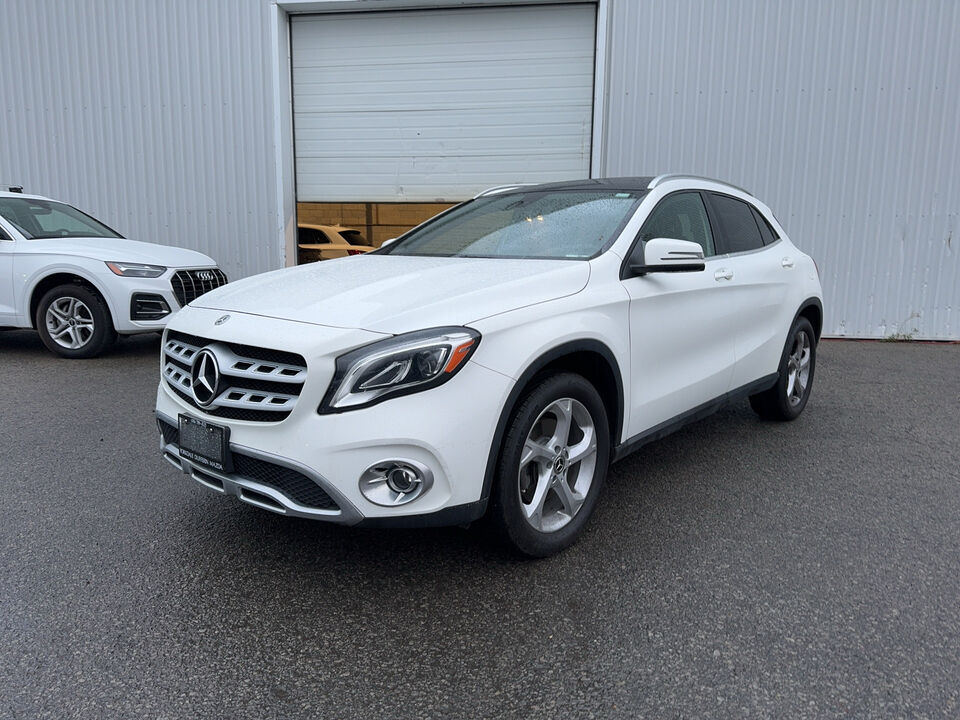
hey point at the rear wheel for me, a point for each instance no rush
(787, 398)
(552, 466)
(74, 322)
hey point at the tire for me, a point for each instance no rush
(535, 509)
(788, 397)
(74, 322)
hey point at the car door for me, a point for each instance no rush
(759, 275)
(681, 344)
(8, 305)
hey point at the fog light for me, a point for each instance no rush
(395, 482)
(402, 480)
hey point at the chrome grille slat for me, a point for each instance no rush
(277, 402)
(177, 375)
(180, 350)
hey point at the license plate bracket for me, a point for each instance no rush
(205, 444)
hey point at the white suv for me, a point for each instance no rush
(79, 283)
(493, 360)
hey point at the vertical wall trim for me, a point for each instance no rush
(597, 156)
(283, 138)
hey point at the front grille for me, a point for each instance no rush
(295, 485)
(188, 285)
(256, 384)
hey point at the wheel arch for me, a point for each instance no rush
(812, 310)
(588, 357)
(63, 277)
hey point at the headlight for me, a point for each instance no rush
(136, 270)
(399, 365)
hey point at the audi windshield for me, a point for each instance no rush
(39, 219)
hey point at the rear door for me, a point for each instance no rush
(682, 351)
(758, 283)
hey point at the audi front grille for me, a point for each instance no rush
(188, 285)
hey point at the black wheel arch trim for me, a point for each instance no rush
(811, 302)
(523, 383)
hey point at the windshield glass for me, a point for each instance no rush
(37, 219)
(558, 224)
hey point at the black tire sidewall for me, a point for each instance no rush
(788, 411)
(508, 514)
(103, 331)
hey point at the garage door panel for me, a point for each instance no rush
(436, 180)
(424, 105)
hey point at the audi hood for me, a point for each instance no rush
(395, 293)
(118, 250)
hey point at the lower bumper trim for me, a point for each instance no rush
(456, 515)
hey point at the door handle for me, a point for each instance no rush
(787, 262)
(723, 274)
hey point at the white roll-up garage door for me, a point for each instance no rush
(439, 104)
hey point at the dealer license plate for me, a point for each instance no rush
(205, 444)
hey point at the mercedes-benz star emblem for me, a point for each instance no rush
(204, 377)
(222, 319)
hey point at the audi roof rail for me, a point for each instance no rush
(683, 176)
(13, 188)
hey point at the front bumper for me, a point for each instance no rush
(448, 429)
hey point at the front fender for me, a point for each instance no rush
(30, 275)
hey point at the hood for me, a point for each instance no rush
(394, 294)
(118, 250)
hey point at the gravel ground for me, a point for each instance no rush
(735, 569)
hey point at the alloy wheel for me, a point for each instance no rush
(557, 465)
(69, 322)
(798, 368)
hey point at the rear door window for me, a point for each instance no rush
(738, 228)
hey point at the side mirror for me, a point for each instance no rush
(666, 255)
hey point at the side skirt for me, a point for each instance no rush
(698, 413)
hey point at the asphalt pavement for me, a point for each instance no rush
(735, 569)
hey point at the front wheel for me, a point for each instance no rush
(552, 466)
(74, 322)
(787, 398)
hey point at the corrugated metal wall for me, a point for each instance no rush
(842, 116)
(156, 117)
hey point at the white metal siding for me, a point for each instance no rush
(428, 105)
(842, 116)
(156, 117)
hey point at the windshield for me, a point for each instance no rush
(558, 224)
(37, 219)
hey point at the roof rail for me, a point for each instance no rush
(683, 176)
(500, 188)
(15, 188)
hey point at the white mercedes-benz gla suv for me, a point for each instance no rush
(494, 360)
(80, 283)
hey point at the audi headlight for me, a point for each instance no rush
(136, 270)
(397, 366)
